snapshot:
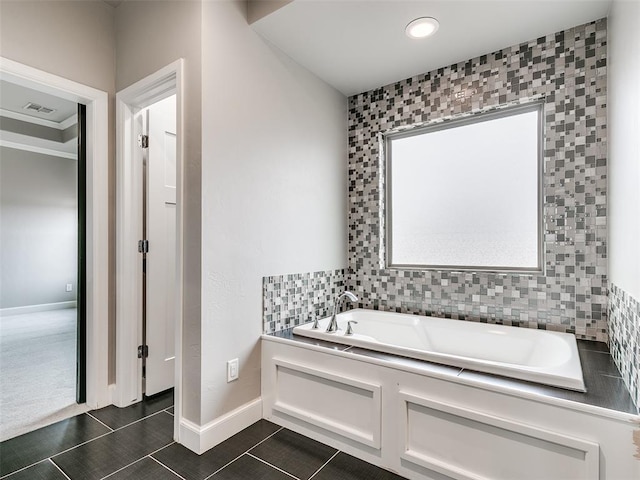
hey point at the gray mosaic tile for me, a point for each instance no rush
(294, 299)
(566, 70)
(624, 336)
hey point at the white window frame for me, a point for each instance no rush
(386, 165)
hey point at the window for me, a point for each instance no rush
(466, 194)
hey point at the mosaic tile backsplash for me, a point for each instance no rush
(291, 300)
(567, 71)
(624, 337)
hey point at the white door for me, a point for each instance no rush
(161, 258)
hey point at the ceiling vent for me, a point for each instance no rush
(34, 107)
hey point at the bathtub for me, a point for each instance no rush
(549, 358)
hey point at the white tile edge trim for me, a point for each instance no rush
(5, 312)
(199, 439)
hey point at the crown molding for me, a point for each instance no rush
(42, 150)
(72, 120)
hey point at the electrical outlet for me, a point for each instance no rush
(69, 287)
(232, 370)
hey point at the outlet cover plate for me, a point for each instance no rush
(232, 370)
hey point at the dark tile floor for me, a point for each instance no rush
(137, 443)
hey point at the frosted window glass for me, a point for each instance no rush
(467, 196)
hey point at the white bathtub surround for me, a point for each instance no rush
(550, 358)
(428, 421)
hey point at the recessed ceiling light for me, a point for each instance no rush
(422, 27)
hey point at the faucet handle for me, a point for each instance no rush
(349, 329)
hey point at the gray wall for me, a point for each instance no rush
(274, 165)
(34, 130)
(38, 228)
(151, 35)
(67, 38)
(256, 9)
(75, 40)
(264, 173)
(568, 70)
(624, 146)
(624, 191)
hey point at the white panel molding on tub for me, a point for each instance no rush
(432, 430)
(348, 406)
(434, 422)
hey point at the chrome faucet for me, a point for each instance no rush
(333, 324)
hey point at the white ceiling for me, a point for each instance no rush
(358, 45)
(14, 97)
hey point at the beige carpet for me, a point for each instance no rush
(37, 370)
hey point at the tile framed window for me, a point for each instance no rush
(465, 194)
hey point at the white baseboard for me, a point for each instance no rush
(111, 395)
(200, 439)
(5, 312)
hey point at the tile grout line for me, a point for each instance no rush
(121, 468)
(102, 436)
(272, 466)
(83, 443)
(136, 461)
(163, 465)
(58, 467)
(229, 463)
(325, 464)
(99, 421)
(166, 446)
(140, 419)
(24, 468)
(59, 453)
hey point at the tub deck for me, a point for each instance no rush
(605, 387)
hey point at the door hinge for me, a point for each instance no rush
(143, 246)
(143, 141)
(143, 351)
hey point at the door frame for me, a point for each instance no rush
(97, 208)
(157, 86)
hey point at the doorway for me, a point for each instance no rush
(42, 361)
(54, 192)
(149, 237)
